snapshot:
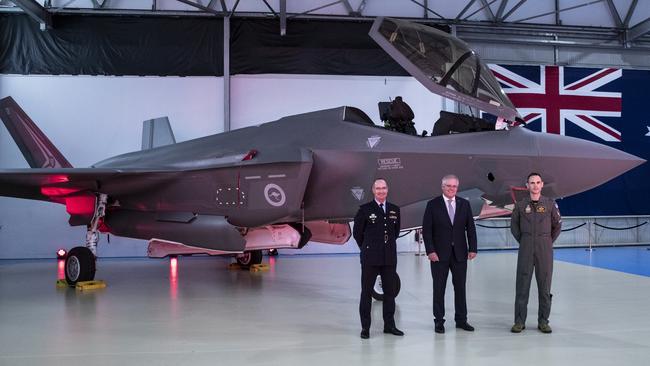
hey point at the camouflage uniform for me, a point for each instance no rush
(535, 226)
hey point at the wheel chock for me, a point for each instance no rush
(259, 267)
(90, 285)
(252, 268)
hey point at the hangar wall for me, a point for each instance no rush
(101, 116)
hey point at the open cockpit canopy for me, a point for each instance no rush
(443, 64)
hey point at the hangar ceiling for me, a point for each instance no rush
(623, 24)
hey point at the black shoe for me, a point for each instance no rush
(440, 329)
(365, 333)
(393, 331)
(465, 326)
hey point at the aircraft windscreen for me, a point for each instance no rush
(445, 60)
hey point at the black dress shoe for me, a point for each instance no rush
(365, 333)
(440, 329)
(393, 331)
(465, 326)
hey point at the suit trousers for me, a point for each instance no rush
(388, 281)
(440, 271)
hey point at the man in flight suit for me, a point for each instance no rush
(535, 223)
(376, 227)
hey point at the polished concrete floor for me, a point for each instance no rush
(303, 311)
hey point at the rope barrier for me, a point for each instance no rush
(576, 227)
(619, 228)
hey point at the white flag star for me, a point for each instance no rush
(648, 134)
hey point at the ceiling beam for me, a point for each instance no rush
(488, 10)
(502, 8)
(283, 17)
(615, 15)
(638, 30)
(201, 7)
(558, 11)
(462, 12)
(270, 8)
(36, 11)
(426, 8)
(630, 12)
(514, 8)
(481, 8)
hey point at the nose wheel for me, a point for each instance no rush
(79, 265)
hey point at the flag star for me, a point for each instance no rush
(648, 134)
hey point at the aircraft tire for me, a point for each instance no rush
(249, 258)
(377, 292)
(79, 265)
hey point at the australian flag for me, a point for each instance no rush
(605, 105)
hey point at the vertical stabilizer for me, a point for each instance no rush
(157, 132)
(32, 142)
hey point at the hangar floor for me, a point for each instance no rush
(304, 311)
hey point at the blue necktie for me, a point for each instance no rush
(451, 211)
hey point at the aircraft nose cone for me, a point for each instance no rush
(573, 165)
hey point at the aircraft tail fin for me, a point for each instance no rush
(37, 149)
(157, 132)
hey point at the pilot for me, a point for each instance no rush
(535, 223)
(400, 116)
(376, 227)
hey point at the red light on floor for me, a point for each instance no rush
(61, 253)
(60, 272)
(173, 268)
(173, 277)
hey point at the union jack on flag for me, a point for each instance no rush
(555, 101)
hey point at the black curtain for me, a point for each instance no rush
(309, 47)
(188, 46)
(109, 45)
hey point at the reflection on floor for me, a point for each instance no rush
(304, 311)
(635, 260)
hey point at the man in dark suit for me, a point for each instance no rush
(376, 227)
(450, 240)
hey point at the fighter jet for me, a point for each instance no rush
(302, 177)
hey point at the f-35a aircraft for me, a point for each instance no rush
(302, 177)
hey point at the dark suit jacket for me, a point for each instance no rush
(376, 233)
(439, 233)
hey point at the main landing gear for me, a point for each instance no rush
(80, 264)
(249, 258)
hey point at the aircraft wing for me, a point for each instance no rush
(44, 183)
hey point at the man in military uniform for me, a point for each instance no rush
(536, 223)
(376, 227)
